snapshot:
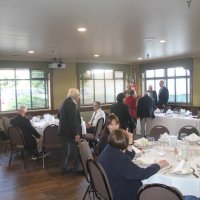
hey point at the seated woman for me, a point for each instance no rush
(124, 176)
(112, 123)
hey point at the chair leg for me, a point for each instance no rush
(43, 159)
(24, 158)
(87, 191)
(11, 157)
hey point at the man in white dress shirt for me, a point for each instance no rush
(97, 114)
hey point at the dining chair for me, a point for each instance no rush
(99, 180)
(93, 138)
(17, 143)
(158, 191)
(156, 131)
(85, 155)
(188, 130)
(51, 141)
(5, 139)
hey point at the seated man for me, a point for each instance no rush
(97, 114)
(33, 140)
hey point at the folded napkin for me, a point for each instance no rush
(142, 141)
(187, 113)
(157, 110)
(192, 138)
(179, 167)
(164, 137)
(169, 111)
(137, 151)
(146, 160)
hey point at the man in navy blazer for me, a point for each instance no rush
(70, 131)
(163, 95)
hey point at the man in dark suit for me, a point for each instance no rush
(145, 112)
(123, 113)
(70, 131)
(163, 95)
(33, 140)
(153, 95)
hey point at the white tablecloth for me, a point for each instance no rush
(187, 184)
(173, 123)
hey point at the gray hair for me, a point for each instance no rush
(73, 93)
(22, 109)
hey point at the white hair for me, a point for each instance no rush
(22, 109)
(73, 93)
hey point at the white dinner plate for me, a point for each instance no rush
(184, 172)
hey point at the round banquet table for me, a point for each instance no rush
(188, 184)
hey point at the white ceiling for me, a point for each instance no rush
(119, 30)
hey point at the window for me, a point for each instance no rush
(101, 85)
(177, 80)
(23, 87)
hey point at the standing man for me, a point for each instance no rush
(70, 131)
(129, 90)
(145, 112)
(97, 114)
(153, 95)
(163, 95)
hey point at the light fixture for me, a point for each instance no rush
(162, 41)
(139, 58)
(188, 3)
(96, 55)
(31, 51)
(82, 29)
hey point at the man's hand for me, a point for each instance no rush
(77, 138)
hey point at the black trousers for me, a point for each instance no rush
(70, 154)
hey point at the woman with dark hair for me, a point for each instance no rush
(112, 123)
(124, 176)
(122, 111)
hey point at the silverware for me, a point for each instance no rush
(193, 172)
(166, 170)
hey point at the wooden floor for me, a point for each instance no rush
(36, 183)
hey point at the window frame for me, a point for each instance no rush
(174, 77)
(47, 90)
(81, 78)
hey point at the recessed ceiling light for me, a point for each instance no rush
(82, 29)
(31, 51)
(96, 55)
(139, 58)
(162, 41)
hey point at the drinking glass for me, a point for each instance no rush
(182, 136)
(151, 141)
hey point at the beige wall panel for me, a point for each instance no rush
(63, 80)
(196, 82)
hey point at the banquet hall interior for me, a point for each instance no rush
(99, 47)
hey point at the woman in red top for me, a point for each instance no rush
(130, 100)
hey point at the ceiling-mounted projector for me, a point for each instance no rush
(57, 64)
